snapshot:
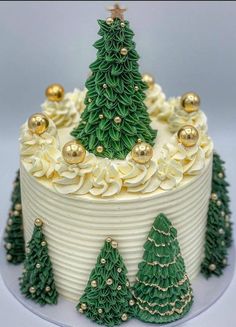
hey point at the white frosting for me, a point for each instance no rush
(40, 152)
(75, 228)
(76, 178)
(65, 112)
(102, 177)
(179, 117)
(155, 100)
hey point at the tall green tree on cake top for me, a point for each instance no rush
(219, 227)
(37, 281)
(162, 290)
(107, 298)
(14, 235)
(115, 117)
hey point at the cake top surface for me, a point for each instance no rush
(118, 136)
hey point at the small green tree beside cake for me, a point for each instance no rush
(107, 298)
(115, 117)
(37, 281)
(162, 290)
(219, 227)
(14, 234)
(220, 187)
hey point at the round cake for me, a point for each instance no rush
(76, 225)
(119, 202)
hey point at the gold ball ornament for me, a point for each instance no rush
(188, 135)
(124, 317)
(190, 102)
(109, 21)
(38, 123)
(73, 152)
(149, 80)
(142, 153)
(123, 51)
(38, 222)
(55, 92)
(117, 120)
(99, 149)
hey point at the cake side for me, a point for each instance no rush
(76, 227)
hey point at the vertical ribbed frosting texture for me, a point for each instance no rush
(75, 228)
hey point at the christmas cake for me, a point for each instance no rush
(120, 162)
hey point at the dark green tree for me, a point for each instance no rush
(215, 259)
(219, 226)
(220, 187)
(115, 116)
(14, 235)
(37, 281)
(162, 289)
(107, 298)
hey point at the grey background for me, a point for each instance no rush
(185, 45)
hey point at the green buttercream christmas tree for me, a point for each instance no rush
(14, 235)
(162, 289)
(107, 298)
(219, 226)
(37, 281)
(115, 116)
(220, 187)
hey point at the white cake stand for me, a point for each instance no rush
(206, 293)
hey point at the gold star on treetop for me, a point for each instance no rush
(117, 12)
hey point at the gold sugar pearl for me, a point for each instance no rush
(123, 51)
(16, 213)
(131, 302)
(38, 222)
(212, 267)
(100, 149)
(100, 310)
(119, 287)
(117, 120)
(89, 100)
(38, 265)
(124, 317)
(83, 306)
(18, 207)
(47, 288)
(136, 88)
(103, 261)
(101, 116)
(43, 243)
(220, 175)
(10, 221)
(109, 21)
(214, 196)
(114, 244)
(109, 281)
(221, 231)
(94, 283)
(32, 290)
(81, 311)
(8, 257)
(122, 24)
(119, 270)
(8, 246)
(104, 86)
(219, 203)
(127, 283)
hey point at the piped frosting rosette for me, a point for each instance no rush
(74, 178)
(65, 112)
(106, 179)
(156, 101)
(40, 152)
(178, 117)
